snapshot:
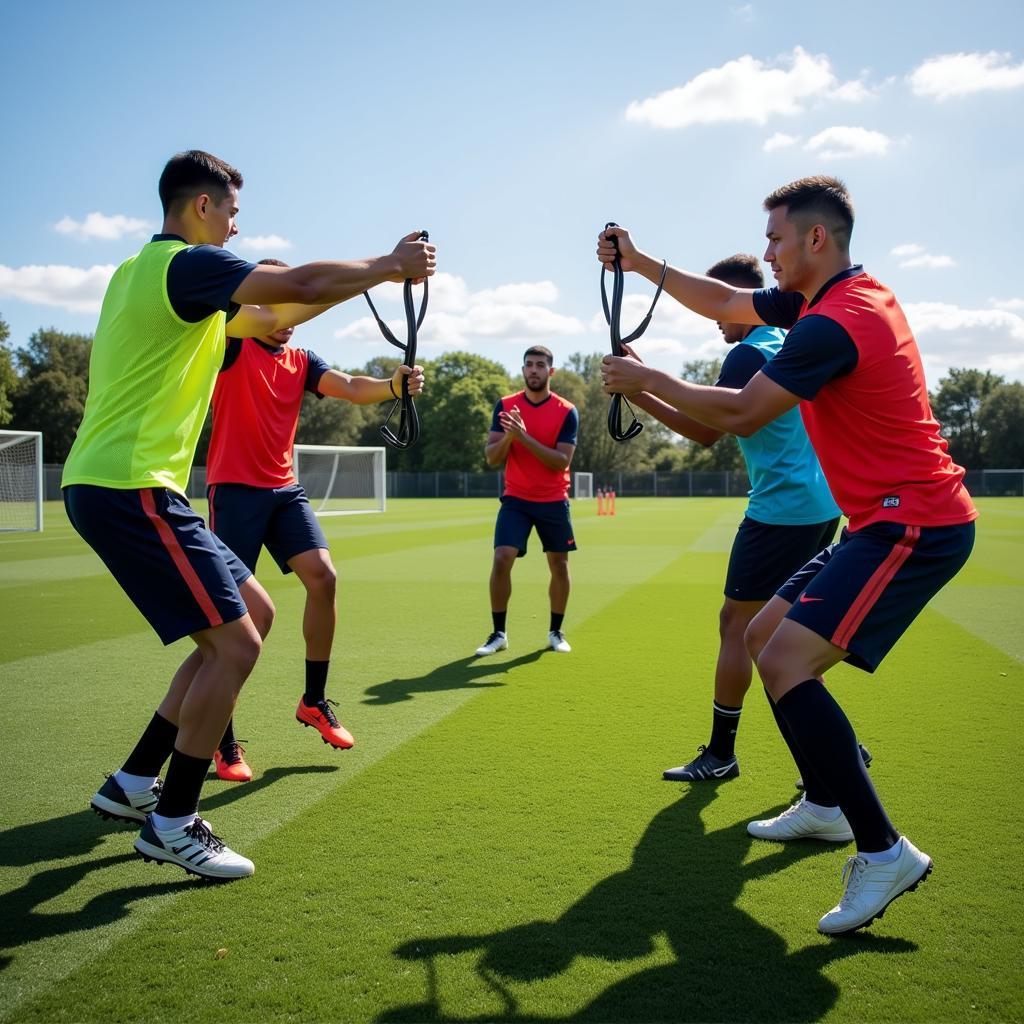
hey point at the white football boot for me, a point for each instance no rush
(497, 641)
(194, 848)
(799, 822)
(557, 642)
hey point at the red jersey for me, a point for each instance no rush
(853, 358)
(256, 404)
(552, 421)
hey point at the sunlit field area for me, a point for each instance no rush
(499, 845)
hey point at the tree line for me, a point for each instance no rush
(43, 385)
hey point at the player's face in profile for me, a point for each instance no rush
(733, 333)
(220, 218)
(786, 251)
(281, 337)
(536, 373)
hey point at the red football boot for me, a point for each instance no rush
(322, 718)
(230, 764)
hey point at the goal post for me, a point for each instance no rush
(339, 480)
(583, 485)
(21, 480)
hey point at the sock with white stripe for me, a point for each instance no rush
(725, 721)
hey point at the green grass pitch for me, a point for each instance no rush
(499, 845)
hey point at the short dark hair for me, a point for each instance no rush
(741, 271)
(192, 173)
(271, 262)
(539, 350)
(818, 199)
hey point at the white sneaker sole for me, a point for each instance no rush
(910, 887)
(108, 809)
(148, 852)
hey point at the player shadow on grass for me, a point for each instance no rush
(682, 887)
(461, 674)
(78, 834)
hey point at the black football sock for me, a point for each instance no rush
(815, 791)
(556, 621)
(316, 682)
(184, 782)
(153, 749)
(824, 734)
(498, 618)
(229, 736)
(724, 723)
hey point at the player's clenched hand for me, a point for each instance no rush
(623, 375)
(627, 251)
(415, 375)
(512, 423)
(416, 259)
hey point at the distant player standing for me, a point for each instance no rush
(533, 434)
(255, 500)
(789, 518)
(157, 348)
(851, 362)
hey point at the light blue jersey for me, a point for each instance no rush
(787, 487)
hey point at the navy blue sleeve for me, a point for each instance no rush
(202, 279)
(232, 350)
(570, 428)
(495, 422)
(742, 362)
(777, 308)
(315, 369)
(815, 351)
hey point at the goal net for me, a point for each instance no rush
(21, 480)
(341, 481)
(583, 485)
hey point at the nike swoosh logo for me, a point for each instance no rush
(804, 599)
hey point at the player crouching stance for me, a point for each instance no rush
(850, 361)
(157, 349)
(255, 499)
(533, 434)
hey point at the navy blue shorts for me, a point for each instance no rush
(517, 517)
(764, 556)
(177, 573)
(862, 592)
(247, 518)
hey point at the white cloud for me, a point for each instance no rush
(104, 227)
(76, 289)
(456, 314)
(1011, 304)
(913, 255)
(950, 335)
(780, 140)
(959, 74)
(265, 245)
(746, 90)
(843, 142)
(744, 13)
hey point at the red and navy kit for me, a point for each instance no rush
(254, 498)
(852, 358)
(256, 406)
(552, 421)
(536, 496)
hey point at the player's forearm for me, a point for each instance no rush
(722, 409)
(496, 453)
(675, 420)
(369, 390)
(551, 457)
(291, 314)
(704, 295)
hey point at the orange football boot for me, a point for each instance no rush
(230, 765)
(323, 719)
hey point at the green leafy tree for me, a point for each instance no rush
(8, 377)
(957, 404)
(54, 381)
(725, 453)
(1001, 419)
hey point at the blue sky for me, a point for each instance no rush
(513, 132)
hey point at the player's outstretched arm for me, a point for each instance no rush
(273, 298)
(370, 390)
(733, 412)
(704, 295)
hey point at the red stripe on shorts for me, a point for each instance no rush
(180, 559)
(872, 590)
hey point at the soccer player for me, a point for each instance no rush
(850, 361)
(157, 349)
(533, 434)
(790, 517)
(255, 499)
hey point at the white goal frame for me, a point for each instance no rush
(582, 485)
(319, 502)
(8, 438)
